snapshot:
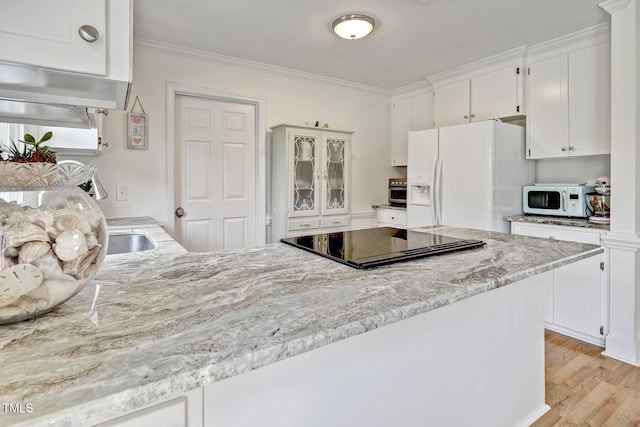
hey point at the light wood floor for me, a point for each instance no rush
(584, 388)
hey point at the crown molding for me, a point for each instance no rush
(223, 59)
(590, 34)
(614, 6)
(420, 86)
(516, 55)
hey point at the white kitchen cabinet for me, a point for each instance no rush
(185, 410)
(487, 95)
(410, 112)
(49, 34)
(309, 180)
(575, 294)
(569, 104)
(388, 217)
(75, 52)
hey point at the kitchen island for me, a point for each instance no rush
(276, 331)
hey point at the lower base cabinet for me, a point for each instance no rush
(391, 218)
(575, 295)
(184, 410)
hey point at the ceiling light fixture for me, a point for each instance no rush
(353, 26)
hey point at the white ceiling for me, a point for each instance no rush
(412, 40)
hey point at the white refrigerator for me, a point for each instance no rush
(468, 175)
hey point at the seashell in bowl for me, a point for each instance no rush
(33, 250)
(69, 219)
(70, 245)
(53, 240)
(18, 280)
(17, 234)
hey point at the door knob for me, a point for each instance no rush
(179, 212)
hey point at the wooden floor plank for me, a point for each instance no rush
(585, 388)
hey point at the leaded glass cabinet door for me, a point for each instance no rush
(335, 198)
(305, 169)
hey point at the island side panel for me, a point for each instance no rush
(479, 361)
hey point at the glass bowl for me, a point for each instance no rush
(53, 237)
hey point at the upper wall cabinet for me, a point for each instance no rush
(411, 111)
(570, 103)
(71, 52)
(483, 90)
(491, 95)
(68, 35)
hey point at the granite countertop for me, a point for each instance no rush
(387, 206)
(167, 321)
(557, 220)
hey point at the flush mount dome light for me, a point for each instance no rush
(353, 26)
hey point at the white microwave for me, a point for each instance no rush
(556, 200)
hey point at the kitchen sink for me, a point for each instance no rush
(127, 242)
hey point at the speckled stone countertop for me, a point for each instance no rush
(167, 321)
(557, 220)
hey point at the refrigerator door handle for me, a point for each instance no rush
(438, 192)
(432, 188)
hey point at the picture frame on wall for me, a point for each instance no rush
(137, 128)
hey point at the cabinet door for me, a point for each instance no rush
(422, 111)
(451, 104)
(183, 411)
(577, 296)
(401, 125)
(495, 94)
(335, 197)
(46, 33)
(305, 160)
(590, 100)
(548, 118)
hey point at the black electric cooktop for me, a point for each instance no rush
(373, 247)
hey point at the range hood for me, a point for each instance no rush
(23, 112)
(31, 95)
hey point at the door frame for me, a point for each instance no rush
(259, 103)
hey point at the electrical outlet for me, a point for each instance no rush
(122, 192)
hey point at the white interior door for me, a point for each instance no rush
(215, 174)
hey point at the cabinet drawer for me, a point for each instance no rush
(392, 216)
(334, 221)
(304, 224)
(556, 232)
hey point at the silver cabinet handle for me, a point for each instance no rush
(564, 148)
(571, 148)
(552, 238)
(473, 115)
(466, 117)
(564, 196)
(393, 217)
(179, 212)
(336, 222)
(88, 33)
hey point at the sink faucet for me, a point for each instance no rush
(98, 190)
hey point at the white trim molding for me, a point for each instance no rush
(223, 59)
(622, 241)
(621, 343)
(175, 89)
(589, 36)
(614, 6)
(516, 55)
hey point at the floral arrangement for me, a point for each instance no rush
(32, 152)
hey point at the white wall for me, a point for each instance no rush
(290, 98)
(573, 170)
